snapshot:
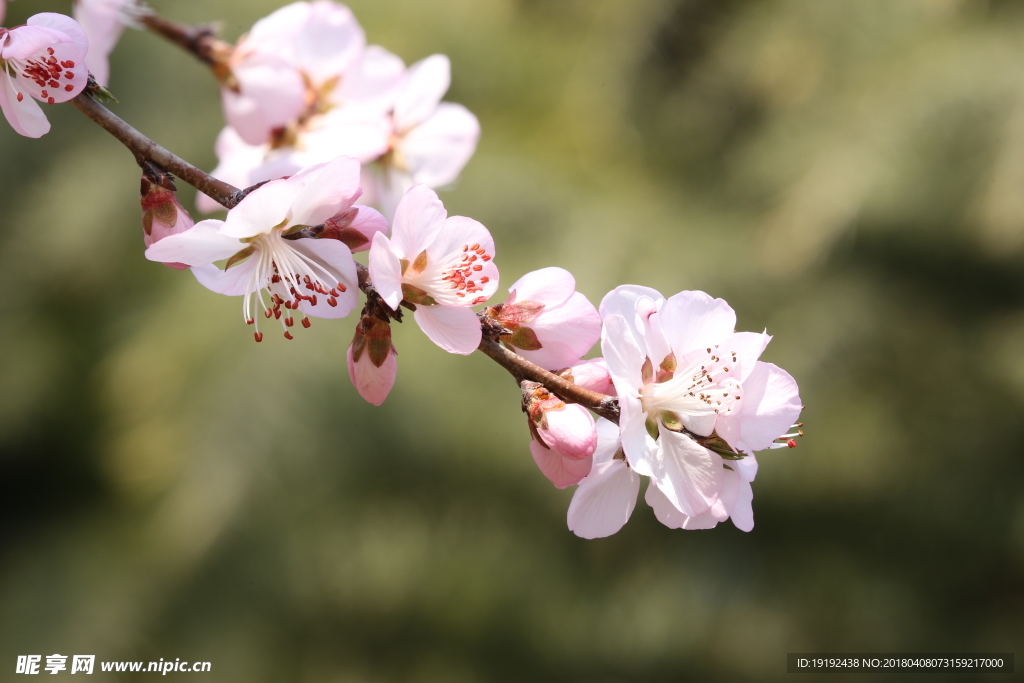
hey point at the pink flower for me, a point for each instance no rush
(551, 323)
(316, 277)
(441, 266)
(45, 60)
(304, 62)
(103, 21)
(680, 372)
(372, 362)
(563, 437)
(162, 213)
(431, 141)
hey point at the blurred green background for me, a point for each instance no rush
(848, 175)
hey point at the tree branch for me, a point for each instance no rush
(229, 196)
(145, 149)
(200, 41)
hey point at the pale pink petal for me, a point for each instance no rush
(335, 258)
(623, 301)
(689, 474)
(623, 355)
(664, 510)
(372, 84)
(604, 500)
(385, 270)
(271, 95)
(200, 245)
(326, 191)
(454, 329)
(335, 134)
(742, 512)
(235, 281)
(747, 467)
(26, 41)
(426, 83)
(569, 430)
(63, 23)
(770, 404)
(593, 375)
(368, 222)
(274, 33)
(264, 209)
(373, 383)
(436, 151)
(560, 470)
(693, 320)
(549, 286)
(328, 43)
(419, 217)
(640, 449)
(566, 333)
(608, 442)
(103, 25)
(26, 117)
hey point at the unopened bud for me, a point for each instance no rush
(162, 213)
(566, 428)
(372, 362)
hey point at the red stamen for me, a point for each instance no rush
(258, 336)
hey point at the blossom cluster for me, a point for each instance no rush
(303, 87)
(341, 147)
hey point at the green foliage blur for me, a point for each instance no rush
(847, 174)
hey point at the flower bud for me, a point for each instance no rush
(372, 363)
(549, 322)
(564, 436)
(162, 213)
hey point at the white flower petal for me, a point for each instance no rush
(385, 270)
(693, 320)
(426, 83)
(604, 500)
(436, 151)
(453, 328)
(200, 245)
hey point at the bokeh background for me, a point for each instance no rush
(848, 175)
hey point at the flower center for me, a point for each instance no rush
(46, 71)
(284, 277)
(703, 388)
(450, 280)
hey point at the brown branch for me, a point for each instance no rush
(200, 41)
(145, 149)
(602, 404)
(229, 196)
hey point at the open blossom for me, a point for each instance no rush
(41, 60)
(430, 140)
(551, 324)
(440, 265)
(103, 21)
(562, 434)
(315, 277)
(689, 388)
(304, 89)
(372, 358)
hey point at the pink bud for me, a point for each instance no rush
(593, 374)
(162, 213)
(569, 430)
(372, 362)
